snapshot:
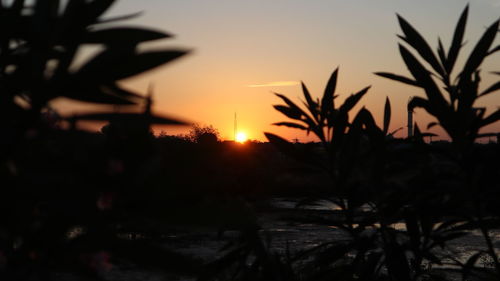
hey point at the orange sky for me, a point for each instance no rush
(238, 44)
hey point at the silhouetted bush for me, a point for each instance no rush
(85, 203)
(202, 134)
(67, 195)
(401, 202)
(456, 113)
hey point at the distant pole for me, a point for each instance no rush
(410, 119)
(235, 127)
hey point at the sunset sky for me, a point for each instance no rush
(243, 50)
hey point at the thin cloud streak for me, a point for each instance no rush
(275, 84)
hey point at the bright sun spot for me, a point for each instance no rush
(241, 137)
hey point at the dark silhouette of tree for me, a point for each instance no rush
(203, 134)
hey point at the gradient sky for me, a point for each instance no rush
(242, 48)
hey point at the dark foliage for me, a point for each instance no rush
(89, 203)
(203, 134)
(452, 100)
(67, 196)
(401, 203)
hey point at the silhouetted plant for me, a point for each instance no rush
(456, 113)
(199, 133)
(387, 120)
(250, 258)
(371, 205)
(452, 100)
(328, 122)
(39, 49)
(398, 221)
(63, 196)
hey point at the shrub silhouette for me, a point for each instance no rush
(199, 133)
(329, 123)
(78, 202)
(39, 50)
(451, 101)
(358, 153)
(64, 194)
(370, 204)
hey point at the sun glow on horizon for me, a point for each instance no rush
(241, 137)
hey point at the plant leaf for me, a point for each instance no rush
(281, 143)
(491, 89)
(398, 78)
(291, 104)
(97, 8)
(352, 100)
(480, 51)
(492, 118)
(119, 18)
(395, 131)
(291, 125)
(288, 112)
(327, 102)
(422, 103)
(441, 53)
(387, 115)
(112, 66)
(366, 118)
(121, 35)
(431, 125)
(424, 79)
(307, 119)
(114, 89)
(496, 49)
(311, 104)
(415, 40)
(457, 41)
(96, 94)
(130, 117)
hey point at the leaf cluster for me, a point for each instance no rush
(39, 54)
(330, 123)
(451, 100)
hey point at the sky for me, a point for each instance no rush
(244, 50)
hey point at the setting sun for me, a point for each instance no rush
(241, 137)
